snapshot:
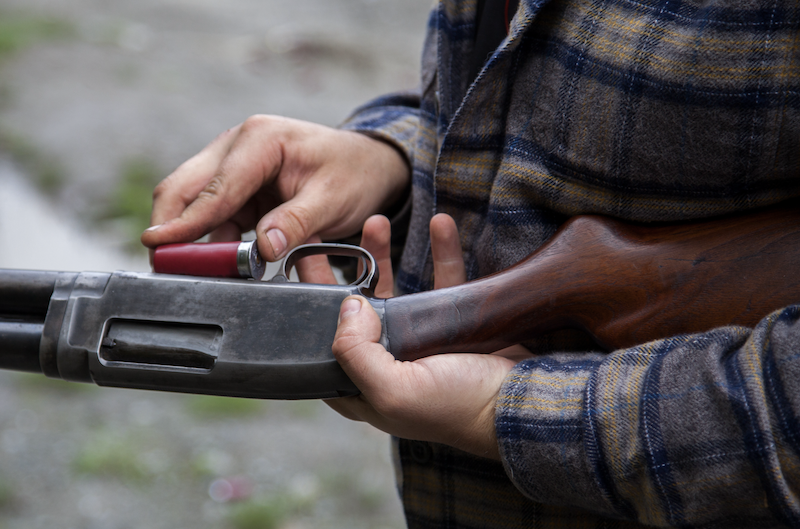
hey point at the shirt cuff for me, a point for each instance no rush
(540, 424)
(393, 119)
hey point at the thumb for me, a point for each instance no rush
(290, 225)
(355, 344)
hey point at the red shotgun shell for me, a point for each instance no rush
(213, 259)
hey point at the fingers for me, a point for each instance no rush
(355, 344)
(287, 178)
(445, 398)
(376, 238)
(340, 179)
(448, 262)
(387, 385)
(173, 194)
(290, 224)
(315, 268)
(227, 231)
(343, 405)
(245, 160)
(180, 188)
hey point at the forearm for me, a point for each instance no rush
(682, 431)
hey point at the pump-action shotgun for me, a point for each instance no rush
(625, 284)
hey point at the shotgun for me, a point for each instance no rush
(625, 284)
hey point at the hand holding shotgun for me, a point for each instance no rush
(446, 398)
(624, 284)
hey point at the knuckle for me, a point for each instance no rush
(341, 343)
(214, 188)
(277, 127)
(175, 182)
(257, 122)
(161, 189)
(212, 198)
(300, 221)
(346, 339)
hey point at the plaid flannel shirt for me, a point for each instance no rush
(647, 110)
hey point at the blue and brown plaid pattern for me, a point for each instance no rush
(692, 431)
(646, 110)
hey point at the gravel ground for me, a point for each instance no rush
(155, 81)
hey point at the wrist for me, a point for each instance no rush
(482, 439)
(395, 169)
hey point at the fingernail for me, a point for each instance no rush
(277, 240)
(349, 307)
(153, 228)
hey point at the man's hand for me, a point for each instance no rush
(287, 179)
(447, 398)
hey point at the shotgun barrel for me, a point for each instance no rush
(24, 300)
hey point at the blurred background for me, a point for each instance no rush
(99, 100)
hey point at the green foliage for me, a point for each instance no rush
(133, 198)
(131, 202)
(259, 514)
(111, 455)
(267, 512)
(20, 30)
(46, 172)
(302, 409)
(40, 383)
(202, 466)
(211, 407)
(8, 500)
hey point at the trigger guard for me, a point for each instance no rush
(365, 283)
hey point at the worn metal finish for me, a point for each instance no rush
(232, 337)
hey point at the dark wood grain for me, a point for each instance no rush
(625, 284)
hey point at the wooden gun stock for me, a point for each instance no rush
(624, 284)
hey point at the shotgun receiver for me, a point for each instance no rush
(625, 284)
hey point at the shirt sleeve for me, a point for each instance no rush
(393, 118)
(691, 430)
